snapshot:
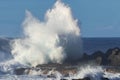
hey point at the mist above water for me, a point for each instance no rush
(41, 43)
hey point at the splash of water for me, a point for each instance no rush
(95, 73)
(41, 42)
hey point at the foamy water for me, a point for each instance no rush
(93, 72)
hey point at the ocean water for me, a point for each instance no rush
(90, 45)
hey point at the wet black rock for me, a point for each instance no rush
(63, 79)
(114, 57)
(20, 71)
(104, 78)
(109, 58)
(86, 78)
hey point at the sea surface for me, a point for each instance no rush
(90, 45)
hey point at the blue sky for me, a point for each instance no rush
(98, 18)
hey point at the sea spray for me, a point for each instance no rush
(8, 67)
(41, 41)
(93, 72)
(112, 76)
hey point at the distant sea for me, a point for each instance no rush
(90, 45)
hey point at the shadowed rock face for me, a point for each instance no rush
(114, 57)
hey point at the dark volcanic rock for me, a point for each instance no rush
(111, 57)
(114, 57)
(96, 58)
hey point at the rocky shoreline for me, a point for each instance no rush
(110, 58)
(110, 61)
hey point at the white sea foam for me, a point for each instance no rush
(94, 73)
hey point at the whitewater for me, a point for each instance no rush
(92, 72)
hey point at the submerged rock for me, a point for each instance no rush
(86, 78)
(104, 78)
(19, 71)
